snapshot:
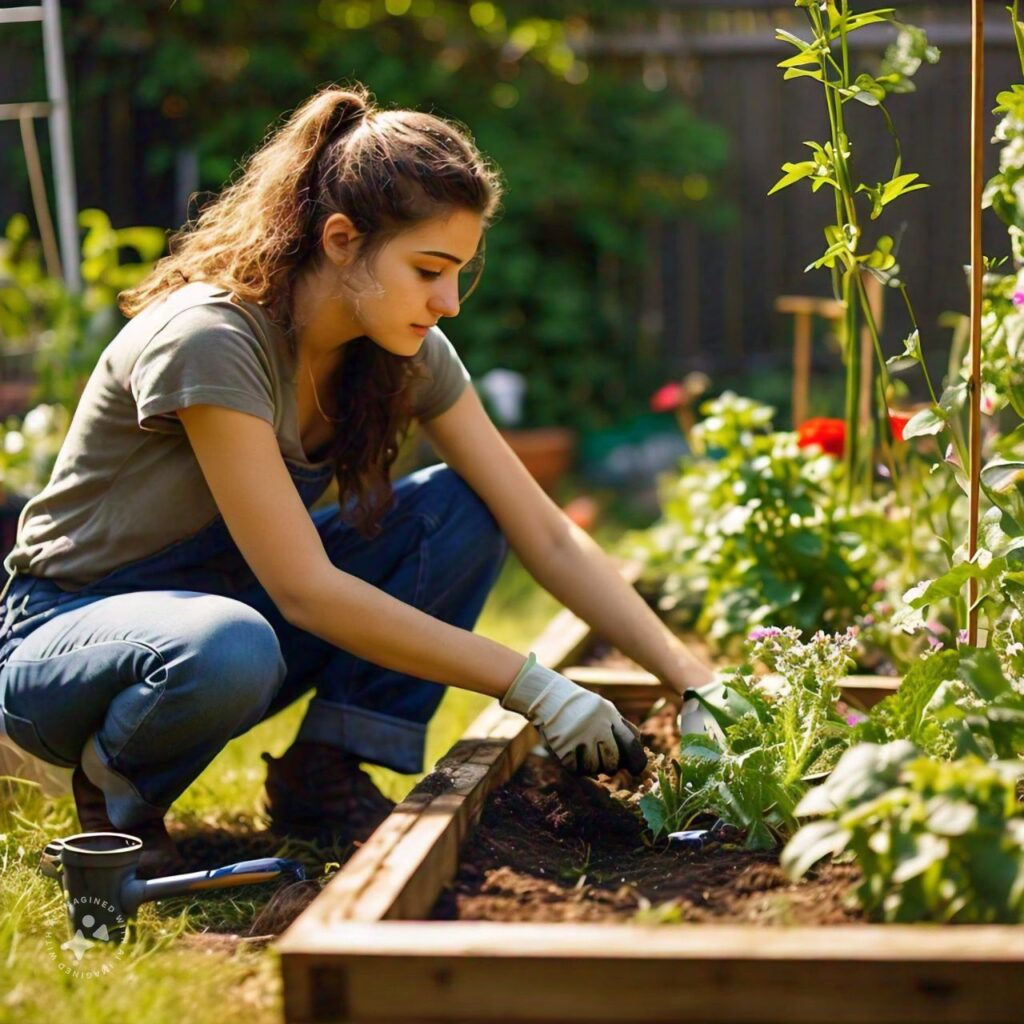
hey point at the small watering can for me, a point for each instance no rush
(97, 871)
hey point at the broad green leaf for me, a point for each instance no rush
(799, 59)
(815, 840)
(653, 811)
(794, 172)
(1004, 484)
(863, 772)
(910, 355)
(924, 423)
(951, 583)
(983, 673)
(917, 853)
(799, 73)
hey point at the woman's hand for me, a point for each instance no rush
(584, 731)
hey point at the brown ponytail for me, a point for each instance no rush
(386, 170)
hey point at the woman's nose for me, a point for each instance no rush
(445, 300)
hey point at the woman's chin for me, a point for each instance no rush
(407, 346)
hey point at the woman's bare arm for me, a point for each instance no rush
(246, 474)
(560, 556)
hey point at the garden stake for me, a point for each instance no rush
(97, 871)
(977, 184)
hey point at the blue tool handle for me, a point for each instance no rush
(246, 872)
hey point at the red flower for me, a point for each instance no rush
(828, 435)
(668, 397)
(898, 421)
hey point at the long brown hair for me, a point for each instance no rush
(386, 170)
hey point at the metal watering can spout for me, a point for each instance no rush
(97, 871)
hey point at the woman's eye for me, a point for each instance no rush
(429, 275)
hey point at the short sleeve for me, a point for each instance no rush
(203, 355)
(445, 379)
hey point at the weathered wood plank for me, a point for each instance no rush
(402, 868)
(480, 971)
(635, 687)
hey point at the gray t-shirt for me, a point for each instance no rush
(126, 483)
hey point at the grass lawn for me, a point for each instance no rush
(194, 960)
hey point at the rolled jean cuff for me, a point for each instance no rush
(125, 805)
(395, 743)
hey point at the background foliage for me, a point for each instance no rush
(589, 154)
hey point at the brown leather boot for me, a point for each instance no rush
(159, 854)
(315, 791)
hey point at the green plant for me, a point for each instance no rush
(767, 742)
(936, 841)
(66, 331)
(755, 531)
(591, 156)
(821, 60)
(29, 447)
(952, 703)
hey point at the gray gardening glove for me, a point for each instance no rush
(585, 732)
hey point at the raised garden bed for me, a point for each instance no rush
(379, 943)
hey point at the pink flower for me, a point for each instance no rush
(668, 397)
(962, 636)
(1018, 298)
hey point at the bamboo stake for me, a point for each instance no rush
(977, 183)
(801, 366)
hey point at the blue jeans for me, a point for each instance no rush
(145, 674)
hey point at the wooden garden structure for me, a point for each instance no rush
(363, 952)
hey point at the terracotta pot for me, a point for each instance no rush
(547, 452)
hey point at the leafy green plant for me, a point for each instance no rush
(935, 840)
(29, 448)
(952, 703)
(754, 531)
(67, 332)
(591, 156)
(766, 742)
(825, 58)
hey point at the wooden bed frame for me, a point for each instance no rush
(362, 953)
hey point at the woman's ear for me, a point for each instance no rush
(340, 239)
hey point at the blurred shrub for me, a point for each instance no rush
(590, 155)
(68, 332)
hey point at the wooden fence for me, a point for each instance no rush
(709, 298)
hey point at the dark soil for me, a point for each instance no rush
(553, 847)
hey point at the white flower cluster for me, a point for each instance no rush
(825, 657)
(1011, 157)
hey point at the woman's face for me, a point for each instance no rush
(414, 280)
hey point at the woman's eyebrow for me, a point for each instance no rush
(441, 255)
